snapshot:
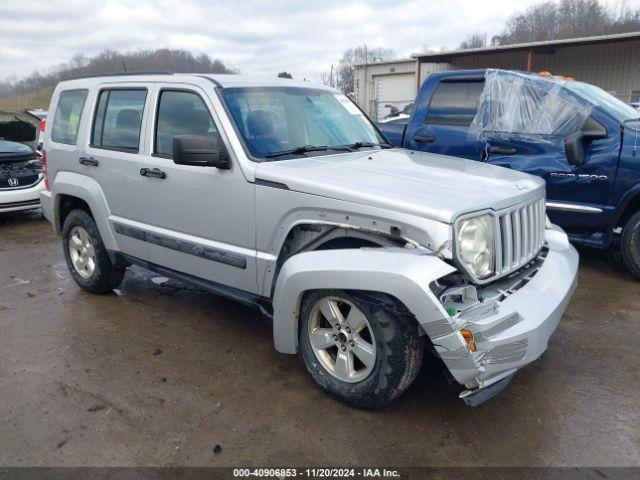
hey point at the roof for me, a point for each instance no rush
(222, 80)
(548, 44)
(387, 62)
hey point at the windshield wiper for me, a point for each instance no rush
(358, 145)
(304, 149)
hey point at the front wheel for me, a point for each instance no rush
(357, 350)
(630, 245)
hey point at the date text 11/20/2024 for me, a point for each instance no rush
(316, 472)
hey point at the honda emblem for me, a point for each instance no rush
(13, 182)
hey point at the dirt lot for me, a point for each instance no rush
(162, 373)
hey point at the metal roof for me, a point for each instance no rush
(547, 44)
(387, 62)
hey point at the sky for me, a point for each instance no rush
(255, 36)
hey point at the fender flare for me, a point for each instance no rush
(88, 190)
(402, 273)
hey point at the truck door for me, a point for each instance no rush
(441, 120)
(113, 154)
(200, 220)
(578, 189)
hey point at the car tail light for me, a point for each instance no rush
(43, 125)
(44, 169)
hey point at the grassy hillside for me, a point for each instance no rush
(37, 99)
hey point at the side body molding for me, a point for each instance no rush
(87, 189)
(403, 273)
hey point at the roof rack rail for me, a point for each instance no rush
(121, 74)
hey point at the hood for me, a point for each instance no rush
(17, 130)
(418, 183)
(14, 151)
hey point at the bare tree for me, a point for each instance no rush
(343, 78)
(553, 20)
(476, 40)
(109, 61)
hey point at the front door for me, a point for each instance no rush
(200, 220)
(578, 195)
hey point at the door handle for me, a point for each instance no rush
(503, 150)
(153, 172)
(424, 138)
(89, 161)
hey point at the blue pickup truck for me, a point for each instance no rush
(583, 141)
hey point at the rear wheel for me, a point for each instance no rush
(630, 245)
(86, 255)
(358, 351)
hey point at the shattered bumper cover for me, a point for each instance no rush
(513, 321)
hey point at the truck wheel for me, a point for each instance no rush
(361, 353)
(86, 256)
(630, 245)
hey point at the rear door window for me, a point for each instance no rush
(68, 115)
(455, 102)
(182, 113)
(118, 119)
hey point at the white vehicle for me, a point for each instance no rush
(283, 195)
(20, 169)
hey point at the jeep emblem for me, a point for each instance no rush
(13, 182)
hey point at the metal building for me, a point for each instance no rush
(382, 86)
(611, 62)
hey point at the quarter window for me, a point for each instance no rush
(118, 120)
(182, 113)
(68, 114)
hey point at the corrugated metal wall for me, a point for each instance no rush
(614, 67)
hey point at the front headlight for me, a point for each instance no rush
(476, 245)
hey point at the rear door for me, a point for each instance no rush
(200, 220)
(113, 157)
(441, 123)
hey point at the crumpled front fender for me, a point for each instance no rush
(402, 273)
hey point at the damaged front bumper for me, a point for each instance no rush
(511, 320)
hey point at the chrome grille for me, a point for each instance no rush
(521, 235)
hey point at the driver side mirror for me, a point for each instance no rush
(574, 148)
(197, 150)
(574, 143)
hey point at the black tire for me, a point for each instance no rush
(398, 357)
(106, 276)
(630, 245)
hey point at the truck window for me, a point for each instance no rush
(181, 113)
(454, 103)
(68, 115)
(118, 119)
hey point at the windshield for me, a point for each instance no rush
(610, 104)
(284, 122)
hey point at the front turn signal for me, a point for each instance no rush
(468, 337)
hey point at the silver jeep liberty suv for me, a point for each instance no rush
(283, 195)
